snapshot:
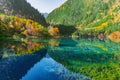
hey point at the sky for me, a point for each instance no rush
(46, 6)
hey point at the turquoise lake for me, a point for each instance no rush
(60, 59)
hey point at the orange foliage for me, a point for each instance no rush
(56, 30)
(27, 27)
(53, 31)
(115, 36)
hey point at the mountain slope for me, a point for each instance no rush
(16, 28)
(90, 17)
(22, 9)
(79, 12)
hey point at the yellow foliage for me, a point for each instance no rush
(103, 25)
(53, 31)
(24, 32)
(53, 42)
(79, 27)
(26, 26)
(10, 25)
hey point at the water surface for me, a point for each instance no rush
(60, 59)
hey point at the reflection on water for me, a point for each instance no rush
(48, 69)
(66, 59)
(97, 59)
(14, 67)
(19, 48)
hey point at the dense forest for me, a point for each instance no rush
(12, 26)
(81, 18)
(90, 18)
(18, 19)
(21, 8)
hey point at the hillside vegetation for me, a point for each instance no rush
(12, 26)
(21, 8)
(91, 18)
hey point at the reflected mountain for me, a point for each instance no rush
(49, 69)
(60, 59)
(14, 67)
(15, 48)
(97, 59)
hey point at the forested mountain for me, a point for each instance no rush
(89, 17)
(16, 28)
(21, 8)
(80, 12)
